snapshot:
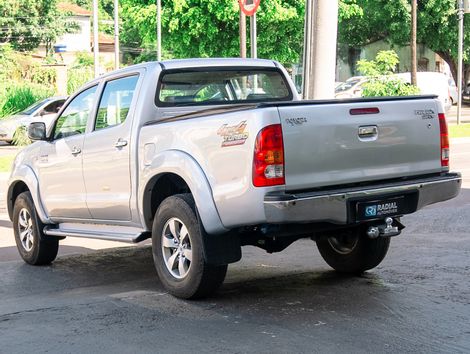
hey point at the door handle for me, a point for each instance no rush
(120, 143)
(368, 132)
(76, 150)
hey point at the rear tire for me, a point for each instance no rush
(34, 247)
(178, 251)
(351, 251)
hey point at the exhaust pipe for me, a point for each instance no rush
(385, 230)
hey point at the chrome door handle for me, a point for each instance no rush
(368, 132)
(76, 150)
(120, 143)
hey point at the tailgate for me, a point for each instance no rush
(326, 145)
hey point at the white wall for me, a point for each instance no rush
(79, 41)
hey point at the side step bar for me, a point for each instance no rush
(108, 236)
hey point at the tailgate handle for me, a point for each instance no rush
(368, 132)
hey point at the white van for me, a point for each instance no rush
(432, 83)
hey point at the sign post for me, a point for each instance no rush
(249, 8)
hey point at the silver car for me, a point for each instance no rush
(42, 111)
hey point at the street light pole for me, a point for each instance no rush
(116, 34)
(253, 34)
(159, 30)
(414, 28)
(96, 51)
(242, 30)
(460, 60)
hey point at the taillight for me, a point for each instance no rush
(268, 160)
(444, 140)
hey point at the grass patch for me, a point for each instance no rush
(6, 162)
(459, 131)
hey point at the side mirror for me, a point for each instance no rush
(37, 131)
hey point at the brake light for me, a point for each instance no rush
(444, 140)
(268, 160)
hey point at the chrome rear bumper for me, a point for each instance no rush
(333, 205)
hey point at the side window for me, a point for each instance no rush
(115, 102)
(74, 118)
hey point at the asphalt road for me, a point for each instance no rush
(416, 301)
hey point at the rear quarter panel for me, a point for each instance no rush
(223, 146)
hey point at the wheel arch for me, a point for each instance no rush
(24, 179)
(174, 172)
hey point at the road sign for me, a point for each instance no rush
(249, 7)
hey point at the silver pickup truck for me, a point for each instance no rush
(206, 156)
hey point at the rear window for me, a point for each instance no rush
(211, 87)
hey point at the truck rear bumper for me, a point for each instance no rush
(337, 205)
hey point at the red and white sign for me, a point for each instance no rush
(249, 7)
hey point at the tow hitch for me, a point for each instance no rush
(390, 228)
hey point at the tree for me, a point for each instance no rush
(381, 81)
(209, 28)
(391, 21)
(28, 23)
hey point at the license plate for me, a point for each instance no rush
(382, 208)
(466, 97)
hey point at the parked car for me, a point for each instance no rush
(432, 83)
(44, 111)
(453, 91)
(186, 153)
(466, 94)
(352, 87)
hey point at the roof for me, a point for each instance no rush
(194, 63)
(215, 62)
(104, 38)
(73, 9)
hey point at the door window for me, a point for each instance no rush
(116, 102)
(74, 118)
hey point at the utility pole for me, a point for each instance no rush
(116, 34)
(414, 28)
(159, 30)
(321, 29)
(242, 29)
(96, 50)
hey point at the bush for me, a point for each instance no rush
(381, 80)
(20, 138)
(77, 77)
(17, 97)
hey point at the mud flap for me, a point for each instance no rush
(222, 249)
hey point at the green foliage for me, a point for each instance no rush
(20, 138)
(381, 81)
(384, 64)
(80, 72)
(77, 77)
(6, 162)
(16, 97)
(366, 21)
(28, 23)
(459, 131)
(210, 28)
(372, 20)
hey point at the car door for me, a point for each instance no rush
(60, 162)
(106, 154)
